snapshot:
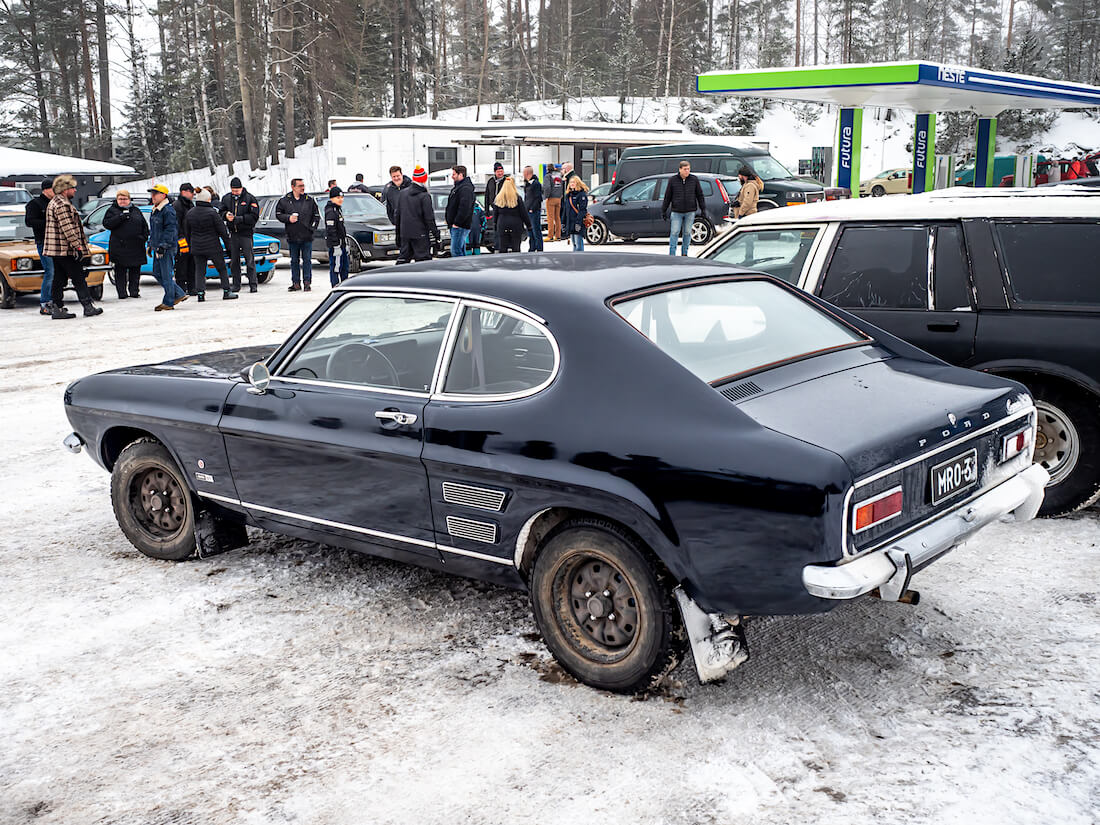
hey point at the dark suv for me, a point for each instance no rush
(634, 211)
(781, 188)
(1000, 280)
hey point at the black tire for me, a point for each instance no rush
(1068, 445)
(596, 233)
(632, 637)
(96, 292)
(701, 232)
(7, 294)
(877, 191)
(355, 257)
(160, 526)
(111, 276)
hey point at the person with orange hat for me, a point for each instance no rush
(163, 243)
(414, 221)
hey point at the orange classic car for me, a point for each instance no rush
(21, 270)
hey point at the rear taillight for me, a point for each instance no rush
(1013, 445)
(877, 510)
(613, 174)
(722, 192)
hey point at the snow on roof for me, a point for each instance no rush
(25, 162)
(947, 204)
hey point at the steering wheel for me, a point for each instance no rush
(361, 364)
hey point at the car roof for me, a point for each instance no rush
(540, 280)
(945, 204)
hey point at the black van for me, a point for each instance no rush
(781, 188)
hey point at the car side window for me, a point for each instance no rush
(951, 275)
(511, 357)
(1052, 263)
(377, 341)
(641, 190)
(879, 267)
(642, 167)
(95, 220)
(780, 253)
(708, 188)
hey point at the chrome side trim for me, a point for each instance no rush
(224, 499)
(309, 382)
(469, 496)
(465, 528)
(445, 296)
(473, 555)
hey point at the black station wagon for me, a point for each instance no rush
(653, 447)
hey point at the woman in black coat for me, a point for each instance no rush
(574, 208)
(510, 218)
(208, 240)
(129, 232)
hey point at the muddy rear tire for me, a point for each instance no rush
(605, 608)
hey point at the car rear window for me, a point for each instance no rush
(1052, 263)
(724, 329)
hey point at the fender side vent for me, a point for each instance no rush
(465, 528)
(741, 390)
(481, 497)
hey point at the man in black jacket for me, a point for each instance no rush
(415, 221)
(358, 186)
(298, 211)
(205, 232)
(185, 263)
(240, 211)
(532, 202)
(336, 237)
(683, 197)
(35, 218)
(460, 210)
(391, 192)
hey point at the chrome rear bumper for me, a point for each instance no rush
(890, 568)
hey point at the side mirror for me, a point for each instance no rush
(258, 376)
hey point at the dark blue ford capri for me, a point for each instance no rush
(653, 447)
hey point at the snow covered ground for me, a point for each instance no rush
(293, 683)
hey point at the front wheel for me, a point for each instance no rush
(701, 232)
(355, 257)
(1067, 444)
(606, 614)
(596, 233)
(877, 191)
(152, 502)
(264, 277)
(7, 294)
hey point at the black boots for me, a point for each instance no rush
(59, 312)
(90, 309)
(229, 296)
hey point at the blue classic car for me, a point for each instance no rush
(654, 447)
(265, 249)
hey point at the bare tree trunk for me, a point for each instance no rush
(247, 113)
(137, 61)
(484, 54)
(737, 34)
(89, 83)
(202, 105)
(228, 138)
(798, 32)
(104, 78)
(668, 62)
(286, 68)
(815, 32)
(1011, 18)
(39, 81)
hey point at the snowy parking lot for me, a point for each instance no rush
(288, 682)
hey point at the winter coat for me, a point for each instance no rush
(205, 231)
(415, 216)
(182, 206)
(164, 228)
(747, 198)
(460, 204)
(129, 233)
(492, 188)
(510, 217)
(391, 196)
(36, 217)
(555, 186)
(358, 187)
(305, 208)
(532, 195)
(574, 206)
(245, 211)
(335, 233)
(64, 231)
(683, 195)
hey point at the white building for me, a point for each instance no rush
(372, 145)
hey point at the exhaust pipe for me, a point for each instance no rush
(907, 597)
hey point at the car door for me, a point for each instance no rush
(887, 274)
(334, 443)
(629, 213)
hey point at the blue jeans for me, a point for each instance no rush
(47, 276)
(301, 261)
(337, 271)
(578, 241)
(534, 236)
(681, 226)
(458, 242)
(164, 270)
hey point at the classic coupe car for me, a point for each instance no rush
(654, 447)
(21, 269)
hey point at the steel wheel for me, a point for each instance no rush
(158, 503)
(1057, 445)
(598, 601)
(152, 501)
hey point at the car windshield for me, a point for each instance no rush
(767, 167)
(725, 329)
(12, 226)
(357, 207)
(13, 196)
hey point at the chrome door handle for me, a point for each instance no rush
(395, 416)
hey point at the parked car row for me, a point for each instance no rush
(634, 211)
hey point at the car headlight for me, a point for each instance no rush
(24, 263)
(99, 259)
(384, 237)
(273, 248)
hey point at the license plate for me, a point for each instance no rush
(955, 475)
